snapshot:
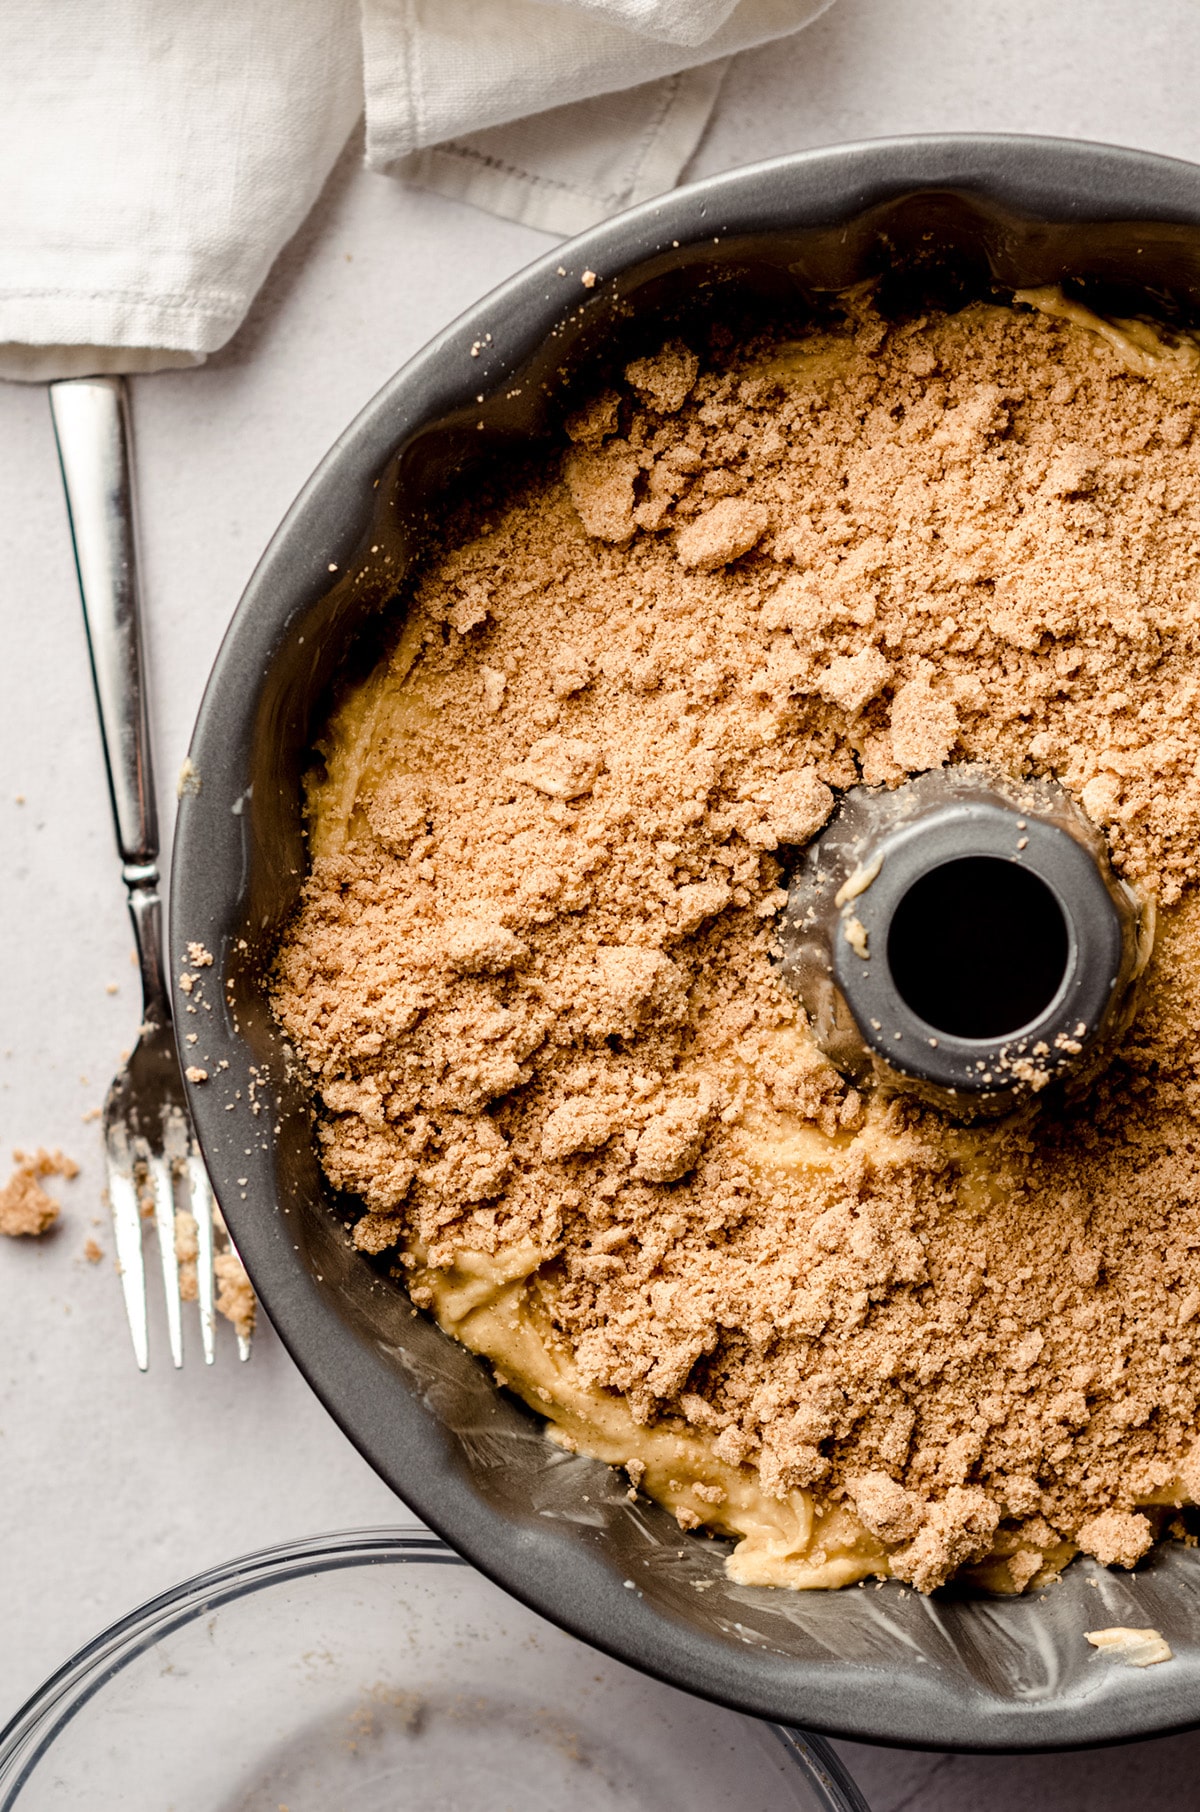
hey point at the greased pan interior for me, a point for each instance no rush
(945, 216)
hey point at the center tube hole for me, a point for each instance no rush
(978, 947)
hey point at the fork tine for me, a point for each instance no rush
(127, 1235)
(164, 1220)
(243, 1340)
(227, 1245)
(202, 1210)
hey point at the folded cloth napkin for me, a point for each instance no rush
(444, 79)
(158, 153)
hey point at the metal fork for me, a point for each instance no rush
(149, 1145)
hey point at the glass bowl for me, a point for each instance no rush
(377, 1672)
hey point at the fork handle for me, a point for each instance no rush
(95, 450)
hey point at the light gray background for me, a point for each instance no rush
(114, 1486)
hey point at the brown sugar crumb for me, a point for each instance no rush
(1024, 1565)
(924, 725)
(532, 971)
(562, 767)
(601, 481)
(886, 1508)
(599, 417)
(235, 1297)
(1117, 1539)
(853, 680)
(664, 382)
(727, 530)
(93, 1251)
(44, 1163)
(670, 1143)
(795, 806)
(26, 1209)
(235, 1293)
(378, 1232)
(187, 1251)
(578, 1125)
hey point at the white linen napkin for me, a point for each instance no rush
(156, 154)
(444, 78)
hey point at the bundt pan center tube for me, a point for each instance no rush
(963, 937)
(936, 219)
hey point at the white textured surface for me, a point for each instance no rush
(113, 1486)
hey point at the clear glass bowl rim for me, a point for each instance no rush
(27, 1737)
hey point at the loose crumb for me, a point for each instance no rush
(235, 1293)
(187, 1251)
(48, 1163)
(26, 1209)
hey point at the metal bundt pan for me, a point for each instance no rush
(939, 217)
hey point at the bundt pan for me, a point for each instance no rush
(938, 219)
